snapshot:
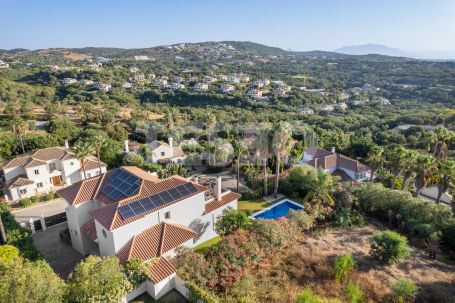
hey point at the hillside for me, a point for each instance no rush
(367, 49)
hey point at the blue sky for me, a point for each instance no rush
(411, 25)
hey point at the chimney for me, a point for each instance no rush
(126, 146)
(171, 142)
(218, 188)
(66, 144)
(333, 149)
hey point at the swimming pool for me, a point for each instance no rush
(277, 210)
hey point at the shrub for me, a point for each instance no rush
(301, 220)
(342, 266)
(49, 196)
(33, 199)
(390, 247)
(343, 199)
(135, 271)
(199, 294)
(405, 290)
(213, 169)
(17, 235)
(8, 253)
(25, 202)
(346, 217)
(307, 296)
(273, 234)
(424, 230)
(230, 221)
(354, 293)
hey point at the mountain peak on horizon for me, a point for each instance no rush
(371, 48)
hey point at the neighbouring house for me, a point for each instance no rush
(175, 86)
(326, 108)
(86, 82)
(161, 82)
(346, 168)
(226, 88)
(201, 87)
(342, 106)
(134, 69)
(69, 81)
(105, 87)
(306, 111)
(383, 101)
(3, 64)
(209, 79)
(254, 93)
(281, 90)
(127, 85)
(141, 58)
(233, 79)
(162, 152)
(129, 213)
(43, 171)
(139, 77)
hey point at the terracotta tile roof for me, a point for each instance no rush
(177, 152)
(225, 199)
(351, 164)
(91, 189)
(19, 161)
(89, 229)
(329, 160)
(155, 241)
(93, 164)
(81, 191)
(160, 270)
(41, 155)
(20, 181)
(34, 163)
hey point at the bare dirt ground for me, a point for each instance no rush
(309, 264)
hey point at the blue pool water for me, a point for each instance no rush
(277, 211)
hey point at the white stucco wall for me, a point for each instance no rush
(161, 288)
(77, 217)
(16, 195)
(156, 153)
(11, 173)
(71, 171)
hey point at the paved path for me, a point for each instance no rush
(61, 256)
(47, 209)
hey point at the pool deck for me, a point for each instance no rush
(253, 216)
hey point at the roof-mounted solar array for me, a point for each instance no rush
(149, 203)
(121, 185)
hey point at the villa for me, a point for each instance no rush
(338, 165)
(163, 152)
(129, 213)
(43, 171)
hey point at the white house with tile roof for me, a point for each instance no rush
(330, 161)
(44, 170)
(130, 213)
(163, 152)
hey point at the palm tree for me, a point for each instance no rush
(445, 177)
(281, 145)
(441, 138)
(97, 142)
(20, 126)
(82, 151)
(409, 163)
(424, 169)
(210, 122)
(396, 157)
(375, 159)
(262, 147)
(240, 150)
(322, 187)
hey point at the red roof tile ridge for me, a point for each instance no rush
(101, 179)
(131, 247)
(79, 191)
(162, 234)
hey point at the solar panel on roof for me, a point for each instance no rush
(190, 187)
(147, 204)
(137, 207)
(126, 212)
(122, 184)
(166, 197)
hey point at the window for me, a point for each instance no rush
(39, 184)
(167, 215)
(36, 171)
(52, 167)
(162, 154)
(23, 191)
(71, 163)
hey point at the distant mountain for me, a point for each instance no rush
(367, 49)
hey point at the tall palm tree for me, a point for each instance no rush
(441, 138)
(82, 151)
(425, 169)
(240, 150)
(97, 142)
(409, 163)
(20, 127)
(445, 177)
(396, 162)
(281, 145)
(262, 147)
(375, 159)
(210, 122)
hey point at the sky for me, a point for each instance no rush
(411, 25)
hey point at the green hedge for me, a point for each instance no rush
(378, 201)
(17, 235)
(198, 294)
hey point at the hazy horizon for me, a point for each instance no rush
(415, 27)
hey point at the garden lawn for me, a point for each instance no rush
(204, 247)
(253, 205)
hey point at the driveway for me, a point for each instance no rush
(61, 256)
(47, 209)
